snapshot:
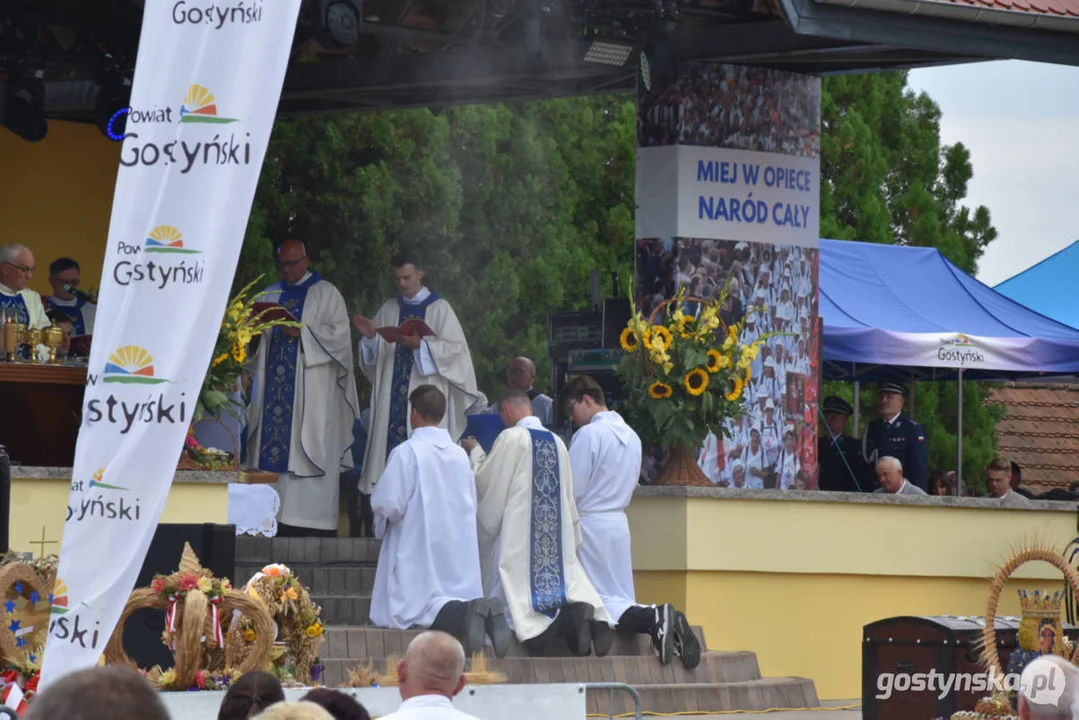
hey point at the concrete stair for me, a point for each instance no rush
(340, 573)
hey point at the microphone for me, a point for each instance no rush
(76, 292)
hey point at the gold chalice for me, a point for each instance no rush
(33, 339)
(20, 340)
(52, 338)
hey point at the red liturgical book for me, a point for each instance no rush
(274, 311)
(408, 327)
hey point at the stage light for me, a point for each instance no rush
(337, 26)
(22, 109)
(602, 52)
(111, 106)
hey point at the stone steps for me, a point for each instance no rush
(340, 572)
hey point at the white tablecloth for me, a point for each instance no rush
(253, 509)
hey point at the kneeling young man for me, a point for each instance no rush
(605, 456)
(428, 573)
(529, 536)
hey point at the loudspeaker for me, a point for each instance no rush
(215, 546)
(616, 315)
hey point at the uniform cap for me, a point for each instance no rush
(834, 404)
(892, 387)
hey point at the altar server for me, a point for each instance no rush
(428, 572)
(64, 277)
(16, 271)
(299, 423)
(605, 456)
(529, 534)
(395, 369)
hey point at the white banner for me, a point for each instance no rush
(723, 194)
(207, 83)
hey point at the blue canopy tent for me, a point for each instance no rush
(1046, 286)
(893, 312)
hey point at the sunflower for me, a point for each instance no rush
(659, 391)
(661, 338)
(696, 381)
(736, 389)
(629, 341)
(716, 361)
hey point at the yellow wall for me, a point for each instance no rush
(56, 197)
(795, 581)
(42, 504)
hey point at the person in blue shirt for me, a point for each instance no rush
(894, 434)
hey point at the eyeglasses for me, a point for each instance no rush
(20, 268)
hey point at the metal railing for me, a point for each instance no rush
(611, 687)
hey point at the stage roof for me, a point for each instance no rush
(892, 311)
(1048, 286)
(413, 53)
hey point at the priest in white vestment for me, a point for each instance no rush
(396, 369)
(605, 456)
(17, 300)
(529, 534)
(424, 505)
(304, 405)
(521, 375)
(64, 277)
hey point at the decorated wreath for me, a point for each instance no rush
(297, 620)
(27, 598)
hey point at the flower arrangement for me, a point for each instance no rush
(240, 325)
(195, 456)
(685, 374)
(298, 618)
(204, 679)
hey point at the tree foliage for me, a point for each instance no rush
(886, 178)
(512, 205)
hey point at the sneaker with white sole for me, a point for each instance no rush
(686, 644)
(663, 632)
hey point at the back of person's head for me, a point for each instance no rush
(1049, 690)
(252, 693)
(111, 691)
(338, 704)
(429, 402)
(295, 711)
(434, 665)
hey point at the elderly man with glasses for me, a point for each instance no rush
(16, 298)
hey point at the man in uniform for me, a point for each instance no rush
(842, 468)
(896, 435)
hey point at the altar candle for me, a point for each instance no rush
(9, 336)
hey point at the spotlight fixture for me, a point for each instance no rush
(603, 52)
(111, 106)
(22, 108)
(337, 26)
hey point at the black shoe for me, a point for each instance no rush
(602, 638)
(662, 632)
(496, 628)
(475, 627)
(686, 643)
(577, 627)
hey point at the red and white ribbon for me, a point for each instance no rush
(219, 636)
(170, 614)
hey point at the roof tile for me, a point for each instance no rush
(1040, 429)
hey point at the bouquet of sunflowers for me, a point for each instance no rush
(685, 374)
(240, 325)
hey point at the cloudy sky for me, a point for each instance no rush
(1020, 122)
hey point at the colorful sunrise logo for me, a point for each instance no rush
(58, 599)
(95, 481)
(131, 364)
(200, 106)
(961, 339)
(166, 239)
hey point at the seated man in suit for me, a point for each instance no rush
(890, 474)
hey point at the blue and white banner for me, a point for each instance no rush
(207, 82)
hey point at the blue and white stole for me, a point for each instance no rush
(403, 361)
(279, 394)
(546, 576)
(72, 311)
(16, 303)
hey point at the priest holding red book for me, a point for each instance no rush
(304, 406)
(428, 348)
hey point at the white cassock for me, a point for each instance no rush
(787, 466)
(394, 371)
(303, 409)
(82, 312)
(529, 530)
(605, 456)
(425, 515)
